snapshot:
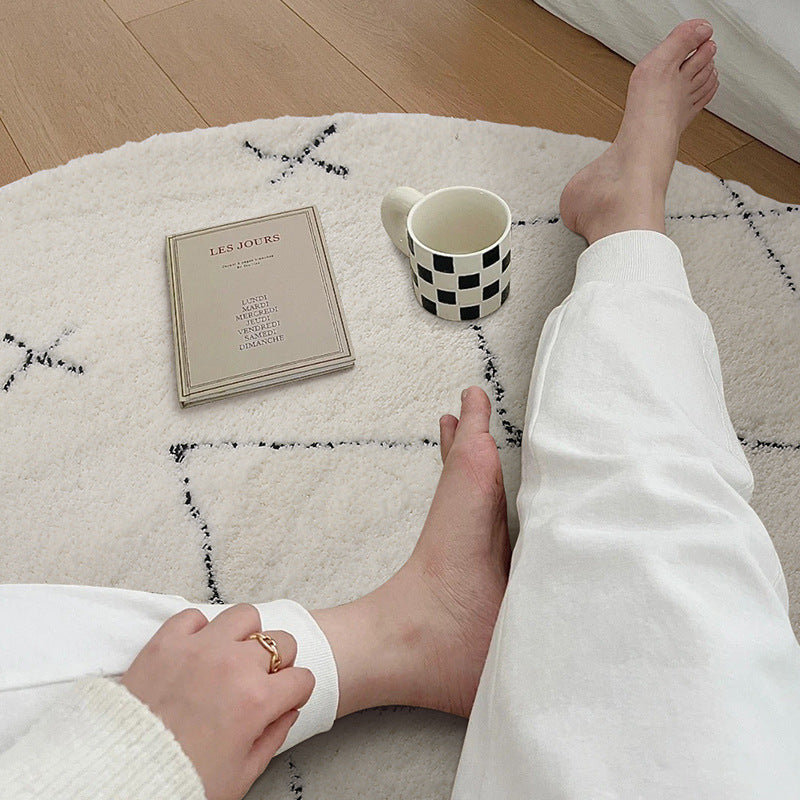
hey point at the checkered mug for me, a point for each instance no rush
(458, 241)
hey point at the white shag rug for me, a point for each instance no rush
(317, 490)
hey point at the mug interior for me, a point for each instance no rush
(459, 220)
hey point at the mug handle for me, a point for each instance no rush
(395, 208)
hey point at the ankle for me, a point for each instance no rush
(374, 643)
(624, 222)
(636, 203)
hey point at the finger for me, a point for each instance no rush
(186, 622)
(447, 431)
(475, 412)
(235, 623)
(289, 688)
(286, 644)
(265, 747)
(265, 698)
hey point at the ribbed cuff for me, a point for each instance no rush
(100, 742)
(646, 256)
(314, 653)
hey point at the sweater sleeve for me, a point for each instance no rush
(101, 742)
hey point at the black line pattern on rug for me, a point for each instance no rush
(775, 212)
(747, 215)
(708, 215)
(295, 780)
(304, 153)
(536, 221)
(758, 444)
(194, 513)
(43, 357)
(179, 451)
(513, 433)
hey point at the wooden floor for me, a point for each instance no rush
(81, 76)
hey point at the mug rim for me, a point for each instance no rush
(448, 189)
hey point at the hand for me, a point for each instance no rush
(209, 685)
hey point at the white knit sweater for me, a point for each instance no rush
(100, 743)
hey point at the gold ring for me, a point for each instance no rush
(268, 643)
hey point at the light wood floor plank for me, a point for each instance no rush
(685, 158)
(768, 172)
(74, 81)
(707, 138)
(448, 58)
(12, 165)
(128, 10)
(248, 59)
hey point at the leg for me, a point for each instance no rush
(419, 639)
(643, 647)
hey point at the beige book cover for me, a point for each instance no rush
(254, 303)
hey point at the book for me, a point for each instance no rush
(254, 304)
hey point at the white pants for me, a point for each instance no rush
(643, 648)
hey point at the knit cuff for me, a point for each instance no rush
(645, 256)
(314, 653)
(100, 742)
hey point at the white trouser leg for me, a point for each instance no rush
(643, 648)
(51, 636)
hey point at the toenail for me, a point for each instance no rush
(703, 29)
(714, 46)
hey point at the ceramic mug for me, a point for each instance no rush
(458, 240)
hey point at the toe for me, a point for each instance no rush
(685, 38)
(701, 58)
(704, 95)
(475, 412)
(447, 431)
(699, 81)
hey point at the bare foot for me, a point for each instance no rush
(458, 571)
(625, 187)
(421, 638)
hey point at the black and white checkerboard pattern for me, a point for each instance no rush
(480, 288)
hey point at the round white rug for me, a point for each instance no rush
(317, 490)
